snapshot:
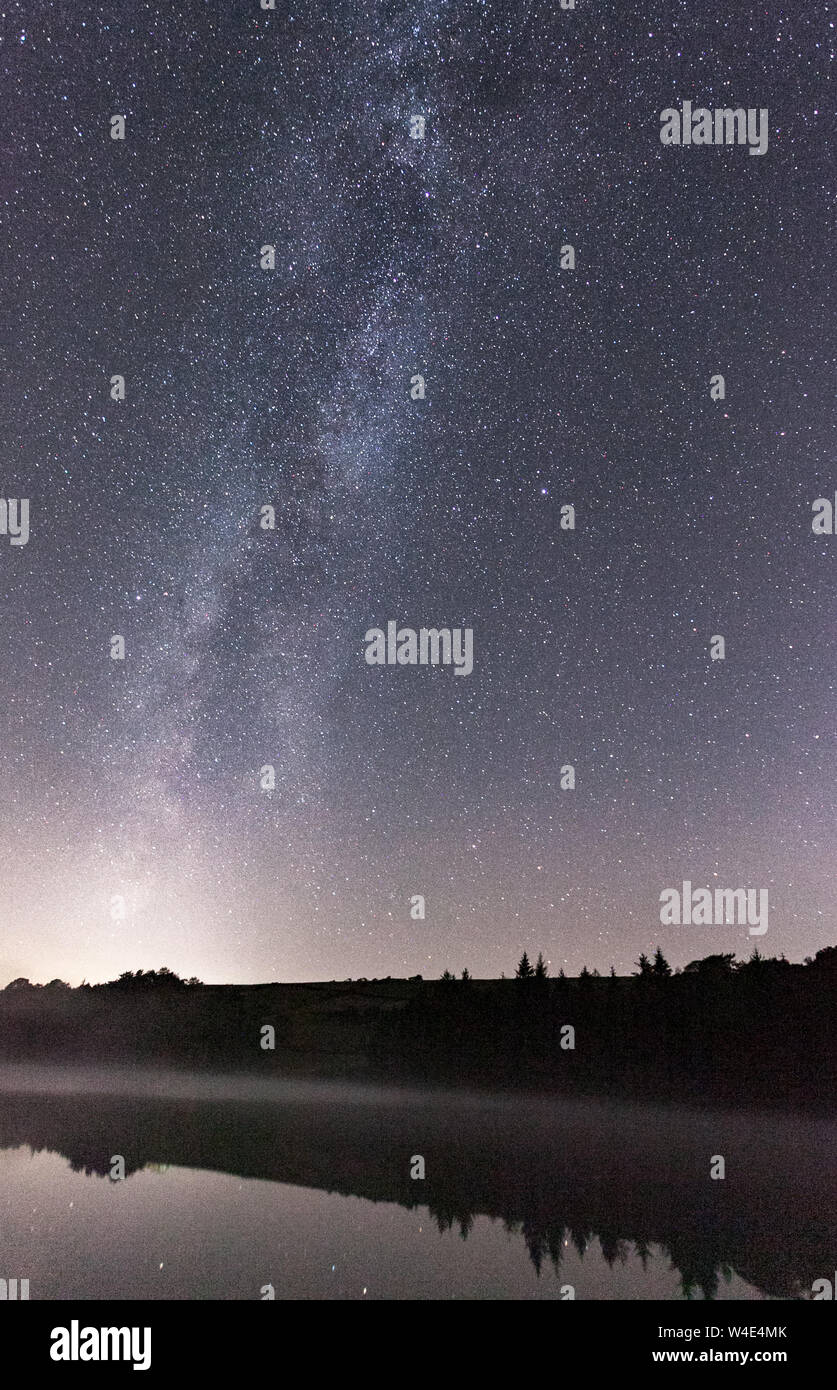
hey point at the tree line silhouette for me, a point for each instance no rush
(762, 1029)
(128, 980)
(658, 967)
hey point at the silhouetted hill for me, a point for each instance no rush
(764, 1031)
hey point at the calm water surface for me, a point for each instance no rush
(234, 1183)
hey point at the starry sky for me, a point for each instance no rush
(291, 387)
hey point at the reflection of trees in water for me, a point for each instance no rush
(447, 1219)
(559, 1178)
(701, 1268)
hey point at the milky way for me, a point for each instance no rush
(291, 387)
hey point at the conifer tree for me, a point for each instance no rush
(524, 969)
(661, 967)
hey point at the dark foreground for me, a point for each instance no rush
(765, 1033)
(162, 1185)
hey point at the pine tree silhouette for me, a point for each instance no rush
(661, 966)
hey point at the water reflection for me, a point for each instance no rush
(626, 1187)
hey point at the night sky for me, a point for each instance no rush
(291, 387)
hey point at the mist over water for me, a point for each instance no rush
(233, 1183)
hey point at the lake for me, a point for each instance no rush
(233, 1184)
